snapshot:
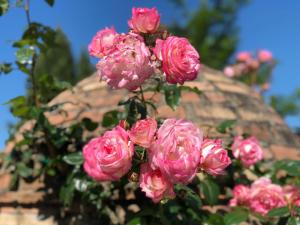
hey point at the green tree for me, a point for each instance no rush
(212, 29)
(84, 67)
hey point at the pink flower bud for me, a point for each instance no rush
(247, 150)
(103, 42)
(241, 195)
(107, 158)
(144, 20)
(143, 131)
(128, 65)
(180, 60)
(243, 56)
(177, 150)
(264, 56)
(228, 71)
(214, 158)
(154, 184)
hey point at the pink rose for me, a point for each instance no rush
(243, 56)
(154, 184)
(214, 158)
(177, 150)
(292, 195)
(180, 61)
(266, 196)
(264, 56)
(103, 42)
(253, 64)
(228, 71)
(107, 158)
(143, 131)
(241, 195)
(247, 150)
(144, 20)
(128, 66)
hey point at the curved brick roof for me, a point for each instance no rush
(222, 99)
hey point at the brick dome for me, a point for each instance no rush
(221, 99)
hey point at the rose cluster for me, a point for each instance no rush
(175, 153)
(126, 61)
(263, 196)
(246, 63)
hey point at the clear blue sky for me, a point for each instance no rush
(272, 25)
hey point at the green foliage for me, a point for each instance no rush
(4, 5)
(5, 68)
(236, 216)
(50, 2)
(279, 212)
(210, 191)
(213, 31)
(225, 126)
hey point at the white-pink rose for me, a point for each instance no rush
(107, 158)
(266, 196)
(128, 65)
(264, 56)
(154, 184)
(180, 60)
(214, 158)
(241, 195)
(144, 20)
(243, 56)
(177, 150)
(103, 42)
(143, 131)
(247, 150)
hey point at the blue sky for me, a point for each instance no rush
(272, 25)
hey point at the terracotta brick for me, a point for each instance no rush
(283, 152)
(165, 111)
(253, 116)
(214, 96)
(241, 89)
(215, 112)
(5, 179)
(190, 97)
(217, 77)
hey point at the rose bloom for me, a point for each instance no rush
(144, 20)
(107, 158)
(266, 196)
(177, 150)
(143, 131)
(180, 60)
(264, 56)
(241, 195)
(128, 66)
(103, 42)
(292, 195)
(228, 71)
(243, 56)
(154, 184)
(247, 150)
(214, 158)
(253, 64)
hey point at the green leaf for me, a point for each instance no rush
(225, 125)
(89, 124)
(214, 219)
(4, 5)
(50, 2)
(19, 107)
(191, 197)
(75, 158)
(210, 191)
(172, 95)
(292, 167)
(110, 118)
(293, 221)
(135, 221)
(5, 68)
(279, 212)
(23, 170)
(237, 216)
(24, 55)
